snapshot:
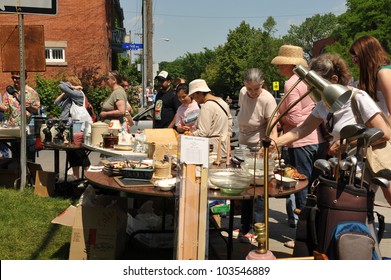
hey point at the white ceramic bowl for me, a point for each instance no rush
(285, 181)
(165, 184)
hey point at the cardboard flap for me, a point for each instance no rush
(161, 136)
(67, 217)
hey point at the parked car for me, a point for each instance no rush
(143, 120)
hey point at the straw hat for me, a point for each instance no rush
(198, 85)
(291, 55)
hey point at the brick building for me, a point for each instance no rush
(83, 34)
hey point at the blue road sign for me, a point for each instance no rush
(132, 47)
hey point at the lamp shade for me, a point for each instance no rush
(334, 96)
(115, 125)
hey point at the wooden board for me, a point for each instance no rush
(34, 50)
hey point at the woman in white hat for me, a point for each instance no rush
(303, 152)
(214, 120)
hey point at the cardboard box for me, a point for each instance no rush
(161, 141)
(44, 183)
(99, 231)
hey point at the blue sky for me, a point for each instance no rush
(194, 25)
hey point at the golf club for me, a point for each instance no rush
(347, 132)
(353, 162)
(344, 166)
(333, 164)
(324, 166)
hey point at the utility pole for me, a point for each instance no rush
(147, 48)
(148, 44)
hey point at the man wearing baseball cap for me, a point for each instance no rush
(166, 103)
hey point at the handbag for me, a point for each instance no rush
(80, 113)
(378, 157)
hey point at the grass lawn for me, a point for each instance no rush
(26, 231)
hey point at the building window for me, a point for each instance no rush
(55, 54)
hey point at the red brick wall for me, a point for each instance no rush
(82, 24)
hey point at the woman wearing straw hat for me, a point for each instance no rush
(214, 120)
(302, 153)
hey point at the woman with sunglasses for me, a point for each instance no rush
(334, 69)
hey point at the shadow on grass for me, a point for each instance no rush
(61, 254)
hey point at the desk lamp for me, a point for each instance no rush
(112, 139)
(334, 96)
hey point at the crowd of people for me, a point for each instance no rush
(193, 109)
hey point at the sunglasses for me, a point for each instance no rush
(15, 77)
(330, 122)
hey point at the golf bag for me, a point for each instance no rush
(339, 222)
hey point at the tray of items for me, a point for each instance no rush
(140, 170)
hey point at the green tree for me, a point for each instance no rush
(311, 30)
(365, 17)
(231, 60)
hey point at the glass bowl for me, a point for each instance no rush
(230, 181)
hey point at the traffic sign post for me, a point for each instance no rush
(21, 7)
(132, 47)
(43, 7)
(276, 88)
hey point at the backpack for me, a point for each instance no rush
(353, 241)
(90, 109)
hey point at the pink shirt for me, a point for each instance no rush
(191, 110)
(298, 113)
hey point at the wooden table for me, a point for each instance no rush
(64, 147)
(101, 180)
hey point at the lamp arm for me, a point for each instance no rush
(270, 123)
(266, 143)
(279, 117)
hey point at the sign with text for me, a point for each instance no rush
(43, 7)
(132, 47)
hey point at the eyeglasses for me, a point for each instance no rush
(330, 122)
(15, 77)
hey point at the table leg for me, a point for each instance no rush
(66, 168)
(86, 153)
(230, 228)
(57, 163)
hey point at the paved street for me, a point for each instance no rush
(279, 231)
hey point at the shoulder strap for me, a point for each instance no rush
(357, 114)
(219, 105)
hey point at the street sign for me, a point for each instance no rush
(131, 47)
(276, 86)
(43, 7)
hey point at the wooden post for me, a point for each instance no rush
(192, 216)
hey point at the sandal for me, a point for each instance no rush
(290, 244)
(248, 237)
